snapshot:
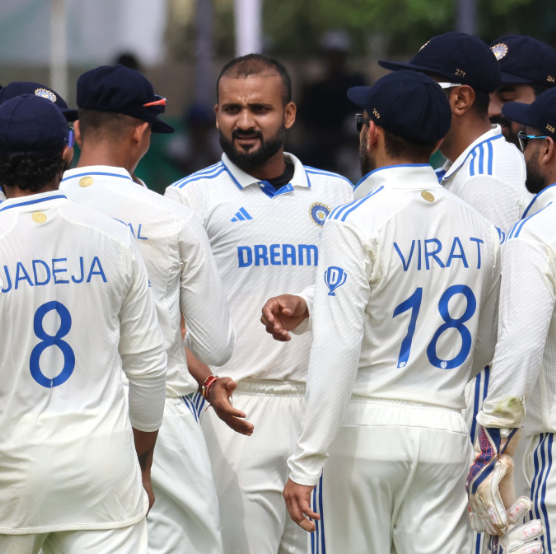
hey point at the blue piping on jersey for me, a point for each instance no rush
(490, 157)
(352, 206)
(516, 229)
(535, 199)
(316, 171)
(387, 167)
(33, 202)
(491, 139)
(203, 174)
(232, 177)
(97, 173)
(212, 176)
(543, 492)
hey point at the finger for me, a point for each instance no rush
(307, 525)
(238, 425)
(224, 406)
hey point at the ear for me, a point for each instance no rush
(77, 133)
(216, 109)
(374, 135)
(67, 155)
(290, 112)
(139, 132)
(547, 151)
(461, 99)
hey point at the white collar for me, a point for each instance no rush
(243, 179)
(495, 133)
(33, 202)
(540, 201)
(106, 170)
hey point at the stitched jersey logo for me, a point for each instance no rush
(319, 212)
(242, 215)
(334, 277)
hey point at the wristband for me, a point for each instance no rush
(209, 381)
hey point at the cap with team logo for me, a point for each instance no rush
(118, 89)
(541, 114)
(408, 104)
(526, 60)
(33, 126)
(460, 58)
(17, 88)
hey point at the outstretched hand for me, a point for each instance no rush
(282, 314)
(219, 398)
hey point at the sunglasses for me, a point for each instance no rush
(361, 120)
(159, 104)
(70, 141)
(524, 139)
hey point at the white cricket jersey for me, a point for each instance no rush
(265, 243)
(180, 265)
(524, 366)
(405, 304)
(75, 310)
(490, 176)
(2, 196)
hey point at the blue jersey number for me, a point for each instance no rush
(413, 303)
(52, 340)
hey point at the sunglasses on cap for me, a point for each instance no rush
(524, 139)
(159, 104)
(361, 120)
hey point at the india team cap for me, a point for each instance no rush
(17, 88)
(119, 89)
(32, 125)
(541, 114)
(408, 104)
(525, 59)
(459, 58)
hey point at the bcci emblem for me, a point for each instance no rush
(334, 277)
(44, 93)
(319, 212)
(499, 50)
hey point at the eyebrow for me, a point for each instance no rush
(229, 105)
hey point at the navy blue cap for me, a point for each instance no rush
(119, 89)
(541, 114)
(32, 125)
(17, 88)
(459, 57)
(526, 60)
(408, 104)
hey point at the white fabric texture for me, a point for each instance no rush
(182, 272)
(524, 366)
(490, 176)
(389, 328)
(251, 472)
(185, 515)
(263, 246)
(396, 479)
(74, 287)
(126, 540)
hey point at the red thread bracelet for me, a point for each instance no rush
(209, 381)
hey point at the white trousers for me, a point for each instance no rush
(185, 516)
(250, 472)
(126, 540)
(395, 481)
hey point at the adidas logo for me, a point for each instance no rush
(242, 215)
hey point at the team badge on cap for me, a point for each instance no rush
(44, 93)
(499, 50)
(319, 212)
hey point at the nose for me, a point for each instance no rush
(494, 105)
(245, 120)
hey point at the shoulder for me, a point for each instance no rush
(540, 226)
(497, 159)
(209, 174)
(321, 176)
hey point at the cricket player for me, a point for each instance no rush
(403, 316)
(17, 88)
(76, 309)
(118, 110)
(527, 69)
(523, 369)
(263, 211)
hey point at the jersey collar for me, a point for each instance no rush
(540, 201)
(450, 168)
(101, 170)
(408, 176)
(33, 202)
(244, 180)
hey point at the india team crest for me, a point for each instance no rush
(319, 212)
(44, 93)
(499, 50)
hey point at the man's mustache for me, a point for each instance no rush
(240, 133)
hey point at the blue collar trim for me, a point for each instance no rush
(33, 202)
(97, 173)
(388, 167)
(535, 199)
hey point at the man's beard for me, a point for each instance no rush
(535, 181)
(503, 122)
(367, 164)
(250, 159)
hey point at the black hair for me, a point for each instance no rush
(539, 89)
(482, 100)
(400, 148)
(256, 64)
(30, 172)
(105, 125)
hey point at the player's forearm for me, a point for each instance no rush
(144, 446)
(198, 370)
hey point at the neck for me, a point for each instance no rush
(16, 192)
(463, 132)
(105, 154)
(270, 169)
